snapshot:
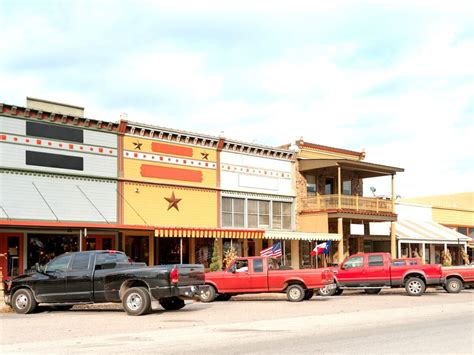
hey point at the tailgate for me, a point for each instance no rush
(190, 274)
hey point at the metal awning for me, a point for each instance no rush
(285, 235)
(208, 233)
(427, 231)
(364, 169)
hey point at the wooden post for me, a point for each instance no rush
(151, 250)
(393, 241)
(393, 193)
(357, 202)
(246, 248)
(258, 246)
(220, 252)
(192, 247)
(339, 187)
(340, 245)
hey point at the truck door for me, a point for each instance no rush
(53, 287)
(351, 271)
(79, 278)
(377, 273)
(258, 277)
(237, 277)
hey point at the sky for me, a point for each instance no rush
(395, 78)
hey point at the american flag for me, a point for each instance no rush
(274, 250)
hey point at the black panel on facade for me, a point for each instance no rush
(54, 160)
(54, 132)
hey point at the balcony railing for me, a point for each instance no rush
(348, 202)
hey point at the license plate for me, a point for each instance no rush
(331, 286)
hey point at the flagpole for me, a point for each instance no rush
(316, 256)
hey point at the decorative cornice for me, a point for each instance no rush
(56, 118)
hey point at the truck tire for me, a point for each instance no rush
(373, 291)
(295, 293)
(308, 294)
(415, 286)
(172, 303)
(326, 292)
(23, 301)
(136, 301)
(453, 285)
(209, 295)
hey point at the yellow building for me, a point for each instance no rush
(455, 211)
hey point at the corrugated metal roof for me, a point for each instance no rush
(428, 231)
(271, 234)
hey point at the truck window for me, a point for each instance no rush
(104, 258)
(61, 263)
(241, 266)
(375, 260)
(81, 262)
(356, 261)
(257, 265)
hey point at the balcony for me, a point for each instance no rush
(346, 202)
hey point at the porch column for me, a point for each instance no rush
(124, 244)
(340, 245)
(258, 246)
(181, 250)
(339, 188)
(246, 248)
(192, 255)
(220, 252)
(295, 254)
(400, 248)
(423, 255)
(393, 241)
(393, 193)
(151, 250)
(445, 247)
(80, 239)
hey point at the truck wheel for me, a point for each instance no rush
(373, 291)
(327, 292)
(295, 293)
(308, 294)
(209, 295)
(172, 303)
(23, 301)
(136, 301)
(415, 286)
(454, 285)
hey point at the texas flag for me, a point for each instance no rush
(322, 248)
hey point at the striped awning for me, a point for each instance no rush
(276, 235)
(427, 231)
(208, 233)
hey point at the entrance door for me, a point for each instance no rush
(137, 248)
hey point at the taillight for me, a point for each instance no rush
(174, 276)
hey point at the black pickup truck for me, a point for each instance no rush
(104, 276)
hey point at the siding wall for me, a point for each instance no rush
(20, 199)
(246, 173)
(98, 150)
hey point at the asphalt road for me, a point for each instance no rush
(353, 323)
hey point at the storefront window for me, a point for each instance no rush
(287, 250)
(305, 254)
(170, 251)
(204, 247)
(43, 248)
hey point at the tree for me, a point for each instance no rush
(215, 263)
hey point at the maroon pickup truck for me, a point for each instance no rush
(374, 271)
(458, 277)
(261, 274)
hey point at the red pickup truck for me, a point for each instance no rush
(262, 274)
(374, 271)
(458, 277)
